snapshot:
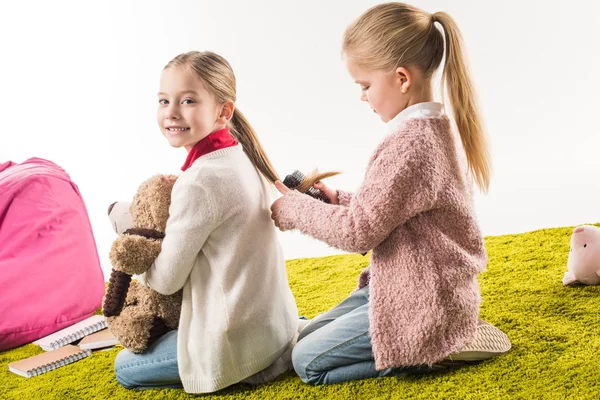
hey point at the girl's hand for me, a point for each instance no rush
(277, 204)
(331, 193)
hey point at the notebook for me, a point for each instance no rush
(72, 333)
(48, 361)
(98, 340)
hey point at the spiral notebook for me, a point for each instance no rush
(98, 340)
(48, 361)
(72, 333)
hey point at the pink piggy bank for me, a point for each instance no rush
(584, 257)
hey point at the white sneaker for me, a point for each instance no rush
(489, 342)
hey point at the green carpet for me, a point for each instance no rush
(554, 331)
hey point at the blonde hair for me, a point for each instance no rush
(218, 77)
(395, 34)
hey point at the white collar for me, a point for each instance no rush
(419, 110)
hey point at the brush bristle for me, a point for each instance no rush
(294, 179)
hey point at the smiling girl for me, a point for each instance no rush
(220, 245)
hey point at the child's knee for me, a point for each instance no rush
(299, 360)
(302, 358)
(123, 378)
(124, 382)
(124, 372)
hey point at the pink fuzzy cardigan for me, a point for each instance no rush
(413, 211)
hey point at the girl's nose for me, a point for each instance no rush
(363, 96)
(172, 113)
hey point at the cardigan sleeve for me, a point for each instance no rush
(344, 197)
(192, 217)
(402, 180)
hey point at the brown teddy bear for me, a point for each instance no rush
(136, 314)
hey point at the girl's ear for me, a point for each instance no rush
(226, 112)
(403, 78)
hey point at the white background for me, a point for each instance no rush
(78, 83)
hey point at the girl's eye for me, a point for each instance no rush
(365, 88)
(163, 101)
(188, 101)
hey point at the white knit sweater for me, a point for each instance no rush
(238, 313)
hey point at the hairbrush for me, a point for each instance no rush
(297, 180)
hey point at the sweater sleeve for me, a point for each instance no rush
(402, 180)
(344, 198)
(192, 217)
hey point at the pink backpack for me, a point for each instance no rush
(50, 275)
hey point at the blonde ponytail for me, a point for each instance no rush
(457, 80)
(244, 133)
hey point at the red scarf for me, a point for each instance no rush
(216, 140)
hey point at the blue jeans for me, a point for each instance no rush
(156, 368)
(336, 347)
